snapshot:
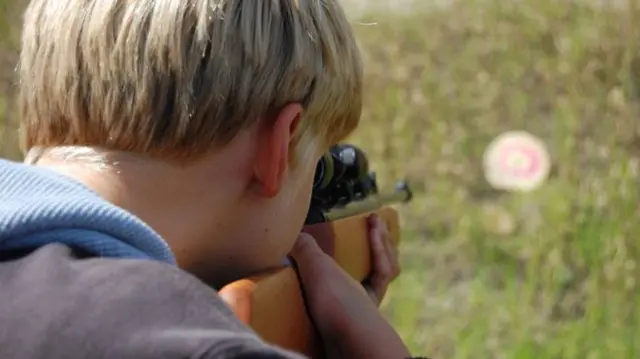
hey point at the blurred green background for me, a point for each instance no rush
(549, 274)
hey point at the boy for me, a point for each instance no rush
(171, 133)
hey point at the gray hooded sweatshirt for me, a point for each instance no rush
(82, 278)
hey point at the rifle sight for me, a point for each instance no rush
(342, 178)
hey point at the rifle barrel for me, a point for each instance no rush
(401, 194)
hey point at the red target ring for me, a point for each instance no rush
(531, 168)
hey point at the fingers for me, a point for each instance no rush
(383, 258)
(392, 253)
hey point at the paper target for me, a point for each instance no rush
(516, 161)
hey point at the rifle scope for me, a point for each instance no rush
(343, 187)
(342, 176)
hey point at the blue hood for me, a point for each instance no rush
(39, 207)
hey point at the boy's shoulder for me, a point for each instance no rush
(57, 305)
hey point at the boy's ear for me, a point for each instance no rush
(274, 144)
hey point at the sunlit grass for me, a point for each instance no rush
(560, 281)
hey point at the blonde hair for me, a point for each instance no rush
(179, 78)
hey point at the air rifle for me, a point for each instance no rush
(344, 194)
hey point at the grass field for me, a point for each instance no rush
(550, 274)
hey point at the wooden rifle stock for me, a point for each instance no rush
(272, 303)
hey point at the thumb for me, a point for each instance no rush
(305, 246)
(306, 254)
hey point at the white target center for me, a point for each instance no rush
(518, 161)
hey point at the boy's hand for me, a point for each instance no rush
(384, 260)
(344, 313)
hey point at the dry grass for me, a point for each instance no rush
(560, 280)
